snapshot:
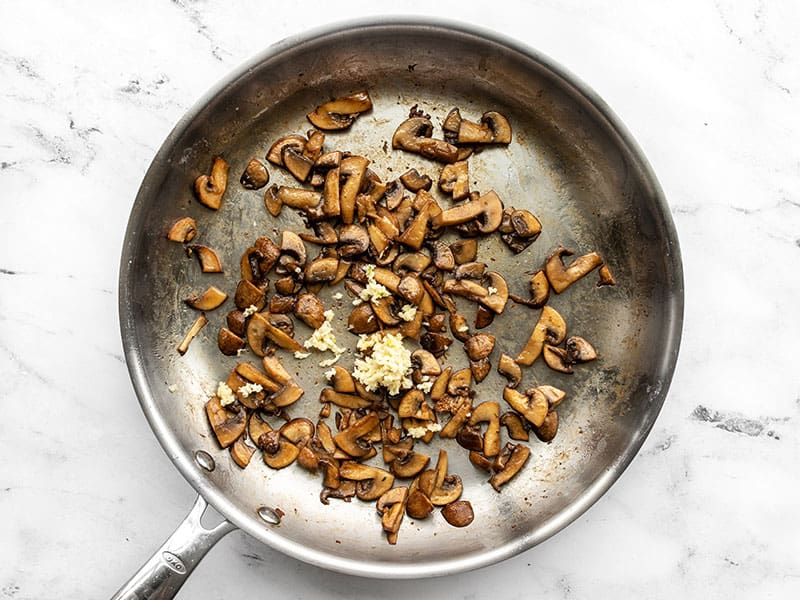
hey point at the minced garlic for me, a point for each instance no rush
(301, 355)
(425, 385)
(388, 364)
(250, 310)
(407, 312)
(323, 338)
(373, 289)
(225, 394)
(249, 388)
(420, 432)
(492, 290)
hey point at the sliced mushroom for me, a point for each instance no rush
(466, 288)
(579, 350)
(363, 320)
(488, 412)
(210, 188)
(442, 256)
(198, 324)
(454, 180)
(353, 241)
(435, 343)
(415, 262)
(606, 278)
(479, 346)
(460, 383)
(459, 513)
(518, 458)
(418, 506)
(471, 270)
(210, 299)
(515, 426)
(533, 406)
(497, 296)
(342, 380)
(227, 425)
(372, 482)
(182, 230)
(439, 387)
(275, 153)
(255, 175)
(248, 294)
(278, 453)
(413, 405)
(352, 169)
(550, 328)
(501, 128)
(556, 358)
(410, 466)
(228, 342)
(299, 431)
(349, 439)
(340, 113)
(254, 375)
(446, 488)
(344, 399)
(296, 163)
(391, 506)
(293, 252)
(470, 437)
(486, 210)
(426, 363)
(553, 394)
(464, 251)
(509, 369)
(236, 322)
(259, 329)
(414, 235)
(411, 290)
(309, 309)
(414, 135)
(548, 429)
(414, 181)
(460, 413)
(242, 452)
(209, 261)
(561, 276)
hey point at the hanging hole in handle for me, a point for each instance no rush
(270, 515)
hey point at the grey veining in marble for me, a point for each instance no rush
(710, 89)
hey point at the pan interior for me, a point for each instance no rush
(569, 163)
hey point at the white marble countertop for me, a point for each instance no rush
(711, 91)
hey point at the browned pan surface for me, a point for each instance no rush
(571, 163)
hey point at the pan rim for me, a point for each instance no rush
(183, 460)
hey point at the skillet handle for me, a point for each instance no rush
(163, 575)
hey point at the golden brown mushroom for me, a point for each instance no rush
(340, 113)
(210, 188)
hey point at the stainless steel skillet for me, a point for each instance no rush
(572, 163)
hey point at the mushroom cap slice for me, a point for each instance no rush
(242, 452)
(411, 466)
(275, 153)
(255, 175)
(518, 458)
(516, 428)
(499, 126)
(510, 369)
(479, 346)
(373, 482)
(228, 426)
(278, 453)
(488, 412)
(209, 261)
(418, 505)
(310, 310)
(497, 296)
(487, 210)
(260, 329)
(550, 328)
(414, 135)
(533, 406)
(182, 230)
(458, 513)
(210, 299)
(348, 439)
(579, 350)
(210, 188)
(340, 113)
(561, 276)
(548, 429)
(556, 358)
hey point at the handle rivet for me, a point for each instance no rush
(270, 515)
(205, 460)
